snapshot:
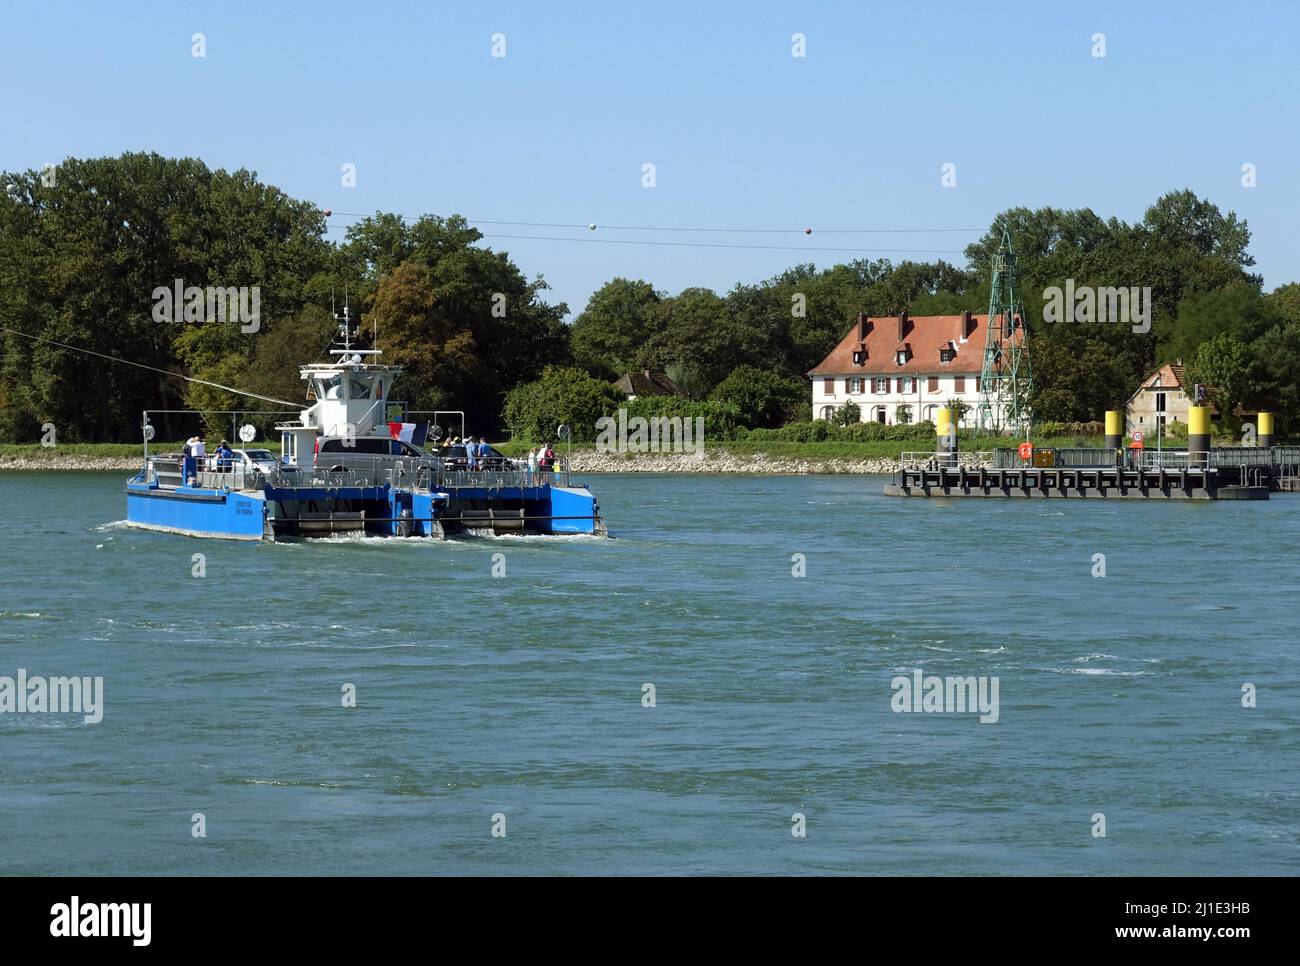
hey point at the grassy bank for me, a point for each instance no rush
(831, 449)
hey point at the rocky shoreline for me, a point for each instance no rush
(720, 461)
(584, 461)
(61, 463)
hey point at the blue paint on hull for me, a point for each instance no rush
(196, 512)
(576, 503)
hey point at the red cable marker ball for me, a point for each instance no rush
(328, 212)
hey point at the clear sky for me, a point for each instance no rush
(742, 134)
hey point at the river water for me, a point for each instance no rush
(517, 703)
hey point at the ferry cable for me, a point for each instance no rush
(766, 231)
(141, 365)
(772, 248)
(683, 244)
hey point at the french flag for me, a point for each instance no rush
(408, 432)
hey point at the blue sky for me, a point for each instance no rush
(741, 133)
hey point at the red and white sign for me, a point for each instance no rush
(1139, 437)
(1026, 451)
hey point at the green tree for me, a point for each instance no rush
(1285, 301)
(1239, 310)
(1275, 369)
(1223, 364)
(762, 399)
(80, 260)
(618, 320)
(567, 395)
(847, 415)
(515, 332)
(436, 350)
(695, 326)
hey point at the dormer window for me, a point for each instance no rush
(902, 354)
(946, 354)
(859, 356)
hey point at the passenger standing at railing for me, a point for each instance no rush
(468, 443)
(200, 452)
(483, 450)
(532, 464)
(225, 457)
(187, 463)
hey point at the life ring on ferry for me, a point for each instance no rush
(1026, 451)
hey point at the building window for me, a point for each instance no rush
(827, 412)
(828, 385)
(945, 356)
(881, 385)
(958, 383)
(903, 415)
(934, 384)
(906, 384)
(1160, 402)
(930, 412)
(856, 385)
(879, 414)
(901, 357)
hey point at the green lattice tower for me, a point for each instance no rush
(1006, 377)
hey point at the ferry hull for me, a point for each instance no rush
(396, 511)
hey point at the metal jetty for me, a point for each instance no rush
(1221, 473)
(1198, 472)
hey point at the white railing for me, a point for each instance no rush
(1178, 459)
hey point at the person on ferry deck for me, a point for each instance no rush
(225, 457)
(187, 463)
(483, 449)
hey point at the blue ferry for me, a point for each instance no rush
(345, 468)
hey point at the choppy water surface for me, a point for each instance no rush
(522, 695)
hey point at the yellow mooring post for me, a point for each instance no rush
(1264, 431)
(945, 439)
(1198, 434)
(1114, 429)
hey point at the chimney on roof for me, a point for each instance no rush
(902, 326)
(967, 325)
(862, 326)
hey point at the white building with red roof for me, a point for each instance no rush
(900, 369)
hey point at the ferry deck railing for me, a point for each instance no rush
(355, 471)
(930, 460)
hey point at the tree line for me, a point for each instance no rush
(84, 249)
